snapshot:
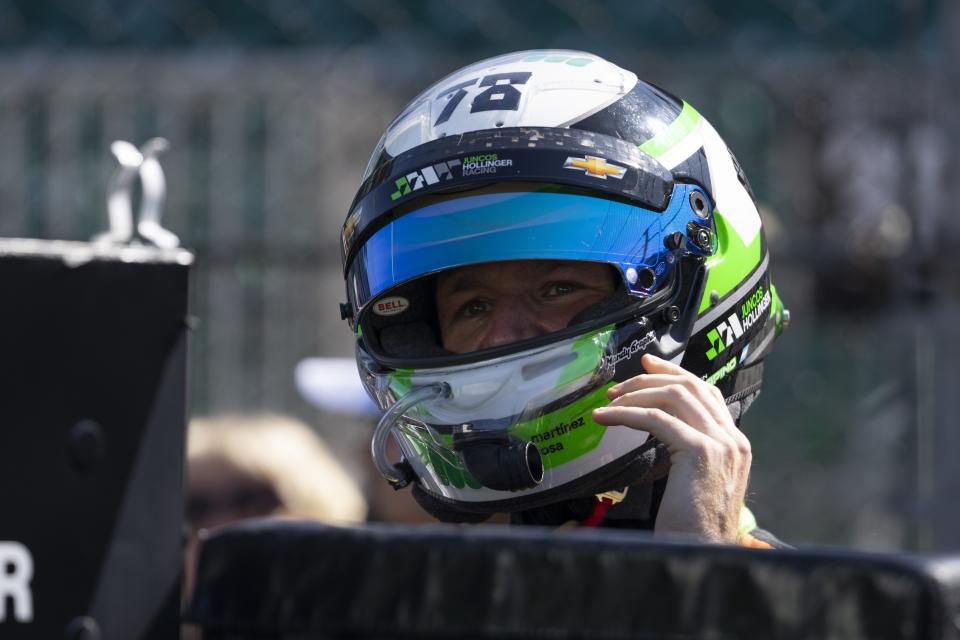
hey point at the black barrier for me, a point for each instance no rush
(92, 414)
(273, 580)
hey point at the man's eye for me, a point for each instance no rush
(474, 308)
(560, 288)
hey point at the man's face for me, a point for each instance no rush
(495, 304)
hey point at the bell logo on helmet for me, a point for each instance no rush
(415, 180)
(391, 306)
(596, 167)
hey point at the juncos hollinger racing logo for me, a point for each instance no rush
(473, 165)
(728, 331)
(431, 174)
(483, 163)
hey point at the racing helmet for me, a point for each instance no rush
(560, 157)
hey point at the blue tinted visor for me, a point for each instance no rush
(540, 224)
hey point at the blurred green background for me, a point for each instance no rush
(842, 113)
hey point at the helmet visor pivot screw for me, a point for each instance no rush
(699, 204)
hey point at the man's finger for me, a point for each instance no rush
(676, 400)
(653, 364)
(708, 394)
(671, 431)
(642, 381)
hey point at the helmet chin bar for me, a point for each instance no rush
(496, 459)
(641, 466)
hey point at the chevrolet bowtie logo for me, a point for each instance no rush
(596, 167)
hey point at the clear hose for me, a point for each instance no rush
(378, 446)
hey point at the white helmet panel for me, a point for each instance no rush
(525, 89)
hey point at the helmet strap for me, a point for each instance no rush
(746, 388)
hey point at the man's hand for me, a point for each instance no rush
(709, 456)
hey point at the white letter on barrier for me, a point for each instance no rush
(16, 571)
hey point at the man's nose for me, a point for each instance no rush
(509, 323)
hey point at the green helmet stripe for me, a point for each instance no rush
(673, 134)
(732, 262)
(589, 352)
(567, 433)
(401, 381)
